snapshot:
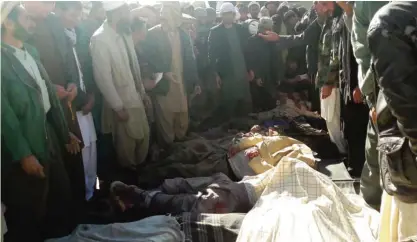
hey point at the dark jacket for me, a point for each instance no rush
(392, 37)
(219, 50)
(25, 126)
(56, 55)
(262, 58)
(156, 51)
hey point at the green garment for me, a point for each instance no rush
(236, 86)
(24, 123)
(362, 16)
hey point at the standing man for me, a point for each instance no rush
(56, 54)
(328, 72)
(363, 13)
(254, 9)
(392, 38)
(169, 51)
(69, 13)
(118, 77)
(35, 185)
(227, 42)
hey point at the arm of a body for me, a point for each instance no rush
(12, 135)
(396, 70)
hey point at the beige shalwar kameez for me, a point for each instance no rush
(118, 79)
(171, 111)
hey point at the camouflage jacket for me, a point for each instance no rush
(392, 38)
(328, 57)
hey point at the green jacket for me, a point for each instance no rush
(25, 128)
(363, 13)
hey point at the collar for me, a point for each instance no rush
(110, 31)
(12, 49)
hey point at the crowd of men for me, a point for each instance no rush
(76, 84)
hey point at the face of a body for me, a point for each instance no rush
(39, 9)
(324, 8)
(21, 25)
(254, 10)
(70, 17)
(228, 18)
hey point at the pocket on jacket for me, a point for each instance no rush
(399, 161)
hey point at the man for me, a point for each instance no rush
(169, 51)
(327, 79)
(56, 54)
(290, 20)
(148, 13)
(272, 7)
(35, 185)
(262, 60)
(392, 39)
(363, 13)
(84, 32)
(227, 43)
(69, 13)
(254, 9)
(117, 75)
(243, 12)
(211, 16)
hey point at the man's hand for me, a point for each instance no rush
(122, 115)
(89, 105)
(72, 90)
(326, 91)
(61, 92)
(259, 82)
(32, 166)
(251, 75)
(346, 7)
(357, 95)
(149, 84)
(74, 146)
(218, 81)
(269, 36)
(372, 115)
(197, 90)
(146, 101)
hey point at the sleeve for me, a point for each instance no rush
(213, 49)
(396, 68)
(12, 136)
(102, 72)
(360, 48)
(191, 62)
(289, 41)
(251, 57)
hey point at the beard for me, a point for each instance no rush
(123, 26)
(21, 33)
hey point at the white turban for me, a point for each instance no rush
(227, 8)
(112, 5)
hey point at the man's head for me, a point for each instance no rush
(290, 19)
(265, 24)
(139, 30)
(69, 12)
(211, 15)
(243, 11)
(97, 11)
(201, 15)
(39, 10)
(118, 15)
(147, 13)
(272, 7)
(171, 16)
(254, 9)
(324, 8)
(17, 23)
(228, 13)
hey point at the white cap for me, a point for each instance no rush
(112, 5)
(227, 8)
